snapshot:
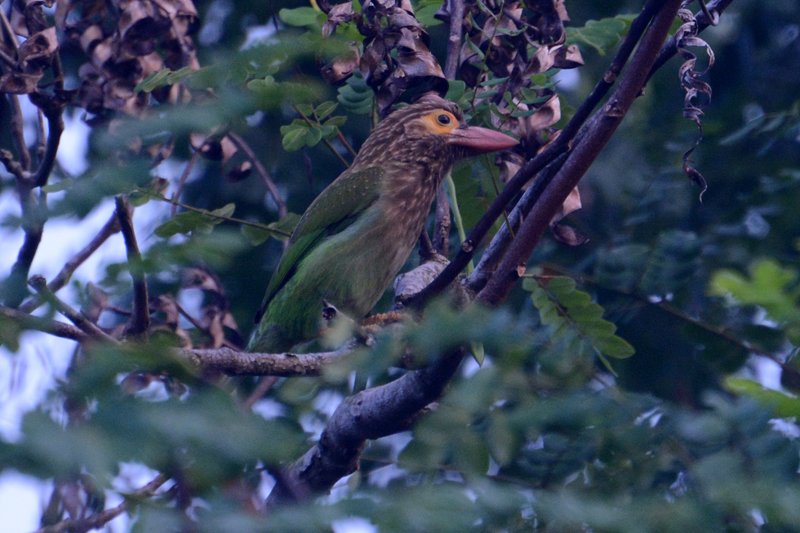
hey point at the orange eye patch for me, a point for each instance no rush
(440, 122)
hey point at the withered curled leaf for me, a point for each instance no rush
(687, 36)
(338, 14)
(567, 234)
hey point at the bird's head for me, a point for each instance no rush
(431, 132)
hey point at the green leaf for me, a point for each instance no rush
(325, 109)
(474, 47)
(455, 90)
(478, 353)
(153, 81)
(784, 405)
(286, 224)
(336, 122)
(225, 211)
(770, 286)
(294, 138)
(493, 81)
(356, 96)
(425, 15)
(601, 35)
(194, 221)
(62, 185)
(305, 109)
(313, 136)
(300, 16)
(179, 75)
(328, 132)
(570, 311)
(207, 78)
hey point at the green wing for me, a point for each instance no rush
(335, 209)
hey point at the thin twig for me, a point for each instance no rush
(55, 127)
(33, 216)
(40, 285)
(100, 519)
(426, 249)
(181, 182)
(110, 228)
(262, 172)
(140, 320)
(10, 37)
(454, 40)
(441, 230)
(41, 136)
(53, 327)
(331, 147)
(209, 214)
(196, 323)
(344, 142)
(17, 129)
(261, 389)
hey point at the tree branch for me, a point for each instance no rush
(599, 131)
(40, 285)
(454, 40)
(110, 228)
(236, 363)
(100, 519)
(182, 181)
(140, 319)
(502, 240)
(540, 161)
(370, 414)
(441, 230)
(55, 127)
(53, 327)
(262, 172)
(33, 217)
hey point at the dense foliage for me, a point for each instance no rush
(621, 387)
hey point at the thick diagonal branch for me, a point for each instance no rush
(598, 132)
(370, 414)
(540, 161)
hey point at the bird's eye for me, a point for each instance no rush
(443, 119)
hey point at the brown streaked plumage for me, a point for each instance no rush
(355, 237)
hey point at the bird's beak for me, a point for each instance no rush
(481, 140)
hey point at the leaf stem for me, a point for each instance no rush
(204, 212)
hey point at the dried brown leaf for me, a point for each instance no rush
(37, 52)
(340, 68)
(338, 14)
(566, 234)
(91, 37)
(569, 57)
(212, 320)
(98, 301)
(201, 278)
(19, 82)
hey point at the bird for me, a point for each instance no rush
(356, 235)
